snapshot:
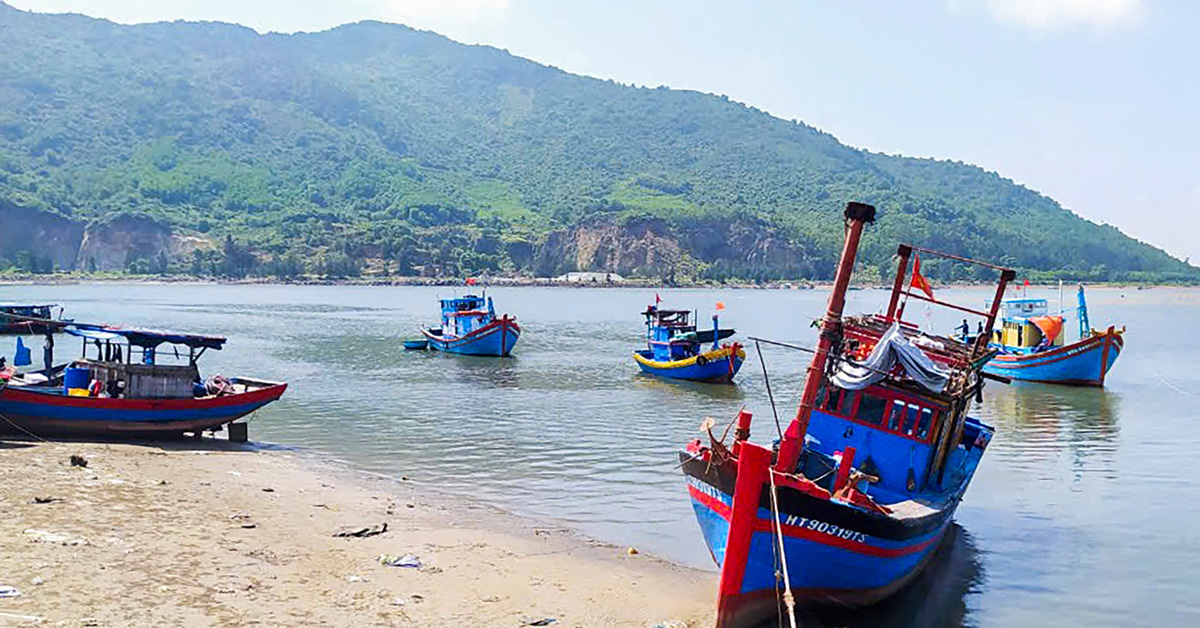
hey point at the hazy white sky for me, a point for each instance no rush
(1091, 102)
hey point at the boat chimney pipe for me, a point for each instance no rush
(857, 215)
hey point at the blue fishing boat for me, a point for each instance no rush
(1031, 346)
(108, 391)
(470, 327)
(858, 494)
(676, 350)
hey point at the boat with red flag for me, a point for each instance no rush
(676, 349)
(857, 494)
(127, 383)
(1032, 345)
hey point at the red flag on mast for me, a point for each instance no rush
(918, 280)
(657, 299)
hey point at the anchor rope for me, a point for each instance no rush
(788, 599)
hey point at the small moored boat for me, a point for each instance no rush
(30, 319)
(1031, 346)
(470, 327)
(416, 345)
(858, 494)
(114, 393)
(676, 349)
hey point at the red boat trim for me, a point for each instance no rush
(16, 394)
(503, 323)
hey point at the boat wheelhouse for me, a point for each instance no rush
(675, 349)
(1031, 345)
(857, 494)
(126, 381)
(470, 327)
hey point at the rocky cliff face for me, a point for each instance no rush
(112, 245)
(54, 241)
(44, 235)
(649, 247)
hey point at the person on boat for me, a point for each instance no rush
(964, 329)
(48, 351)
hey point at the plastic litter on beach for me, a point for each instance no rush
(46, 500)
(407, 560)
(7, 591)
(363, 532)
(43, 536)
(545, 621)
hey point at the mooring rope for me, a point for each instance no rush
(788, 599)
(767, 381)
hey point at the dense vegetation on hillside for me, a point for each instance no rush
(374, 146)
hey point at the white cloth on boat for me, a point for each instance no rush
(893, 346)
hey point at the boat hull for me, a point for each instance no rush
(719, 366)
(1085, 363)
(836, 555)
(496, 339)
(47, 412)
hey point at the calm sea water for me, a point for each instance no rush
(1084, 511)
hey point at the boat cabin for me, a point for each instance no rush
(1027, 327)
(134, 364)
(670, 334)
(463, 315)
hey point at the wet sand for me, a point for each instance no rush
(207, 534)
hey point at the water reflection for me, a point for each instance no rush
(682, 387)
(1037, 421)
(938, 598)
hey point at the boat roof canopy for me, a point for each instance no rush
(145, 337)
(6, 305)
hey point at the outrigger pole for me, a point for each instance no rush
(857, 216)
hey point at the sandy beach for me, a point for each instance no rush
(205, 533)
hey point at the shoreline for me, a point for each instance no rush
(210, 533)
(523, 282)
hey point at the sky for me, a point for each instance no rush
(1091, 102)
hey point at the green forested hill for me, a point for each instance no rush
(205, 147)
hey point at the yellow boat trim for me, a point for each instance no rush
(711, 356)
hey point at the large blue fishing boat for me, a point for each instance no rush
(1031, 346)
(857, 495)
(470, 327)
(676, 350)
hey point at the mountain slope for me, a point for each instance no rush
(275, 154)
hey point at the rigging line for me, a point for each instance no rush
(788, 599)
(767, 381)
(1163, 379)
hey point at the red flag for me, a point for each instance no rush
(657, 299)
(470, 281)
(918, 280)
(720, 305)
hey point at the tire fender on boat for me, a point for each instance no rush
(701, 360)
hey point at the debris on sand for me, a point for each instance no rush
(363, 532)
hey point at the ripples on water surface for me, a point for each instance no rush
(1084, 511)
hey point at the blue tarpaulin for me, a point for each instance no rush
(22, 357)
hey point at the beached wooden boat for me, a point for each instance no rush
(30, 319)
(470, 327)
(676, 350)
(1031, 346)
(112, 393)
(861, 489)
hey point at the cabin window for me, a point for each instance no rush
(871, 409)
(896, 416)
(828, 399)
(849, 398)
(923, 425)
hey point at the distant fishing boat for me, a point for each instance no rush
(114, 393)
(30, 319)
(861, 488)
(676, 349)
(470, 327)
(1031, 346)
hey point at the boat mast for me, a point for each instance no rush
(857, 215)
